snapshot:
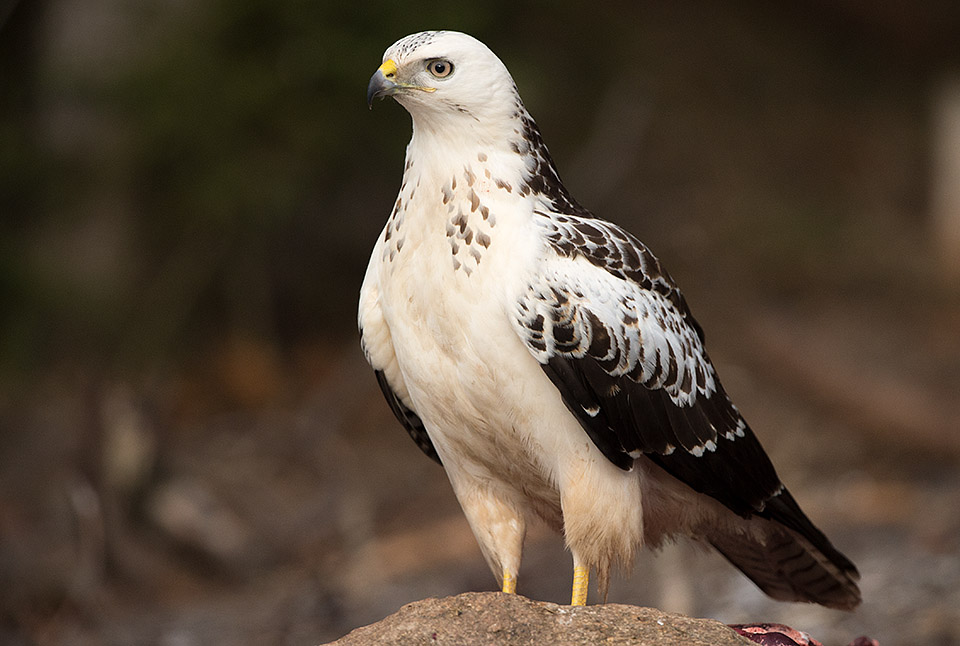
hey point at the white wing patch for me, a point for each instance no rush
(575, 308)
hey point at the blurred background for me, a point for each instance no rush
(192, 449)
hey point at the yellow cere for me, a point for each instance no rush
(389, 68)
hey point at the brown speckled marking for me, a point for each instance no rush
(467, 234)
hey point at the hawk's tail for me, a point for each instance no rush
(793, 561)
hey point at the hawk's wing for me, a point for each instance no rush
(613, 333)
(409, 419)
(377, 345)
(615, 336)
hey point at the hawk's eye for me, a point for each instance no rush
(440, 68)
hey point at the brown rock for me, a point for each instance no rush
(484, 618)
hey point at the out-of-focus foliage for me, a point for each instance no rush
(21, 175)
(221, 173)
(185, 171)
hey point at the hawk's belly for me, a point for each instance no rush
(490, 410)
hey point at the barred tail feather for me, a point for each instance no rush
(788, 567)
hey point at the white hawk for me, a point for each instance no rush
(548, 361)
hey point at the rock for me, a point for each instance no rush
(483, 618)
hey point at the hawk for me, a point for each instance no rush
(548, 361)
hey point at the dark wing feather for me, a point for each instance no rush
(636, 418)
(410, 420)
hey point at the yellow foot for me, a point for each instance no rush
(581, 577)
(509, 583)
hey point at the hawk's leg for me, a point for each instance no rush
(581, 579)
(602, 519)
(509, 582)
(498, 524)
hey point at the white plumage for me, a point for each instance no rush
(546, 358)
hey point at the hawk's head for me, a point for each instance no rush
(445, 72)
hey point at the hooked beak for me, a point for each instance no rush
(382, 82)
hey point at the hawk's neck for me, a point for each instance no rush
(512, 145)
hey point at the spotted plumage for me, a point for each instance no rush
(546, 358)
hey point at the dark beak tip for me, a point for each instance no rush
(376, 87)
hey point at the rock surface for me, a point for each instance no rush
(476, 618)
